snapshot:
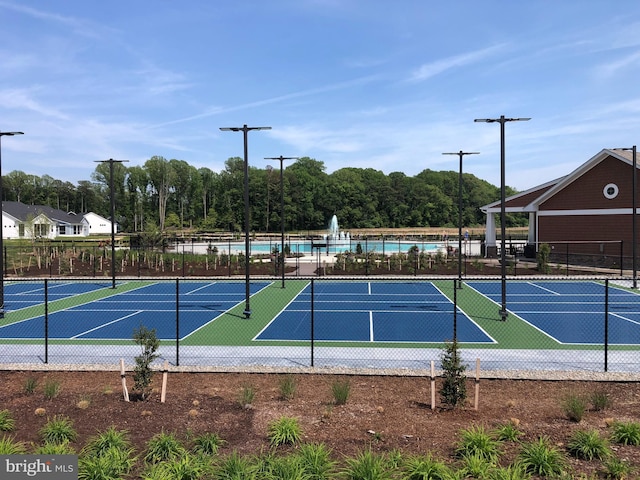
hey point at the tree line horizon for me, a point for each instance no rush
(163, 195)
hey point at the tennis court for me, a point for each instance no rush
(571, 312)
(338, 322)
(373, 312)
(117, 315)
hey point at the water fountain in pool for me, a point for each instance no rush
(335, 237)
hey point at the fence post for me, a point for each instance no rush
(312, 321)
(177, 322)
(46, 320)
(606, 324)
(455, 312)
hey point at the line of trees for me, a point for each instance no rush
(172, 195)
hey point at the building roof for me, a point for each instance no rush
(23, 213)
(529, 200)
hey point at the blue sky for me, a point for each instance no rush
(381, 84)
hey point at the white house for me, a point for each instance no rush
(99, 225)
(40, 221)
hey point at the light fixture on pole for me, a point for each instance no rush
(247, 247)
(503, 259)
(282, 256)
(634, 224)
(3, 134)
(460, 154)
(112, 199)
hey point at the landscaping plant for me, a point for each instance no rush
(588, 445)
(475, 441)
(287, 387)
(627, 433)
(574, 407)
(284, 431)
(316, 461)
(143, 374)
(7, 423)
(454, 387)
(539, 457)
(58, 429)
(340, 390)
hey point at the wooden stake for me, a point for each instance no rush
(433, 386)
(165, 373)
(125, 392)
(475, 405)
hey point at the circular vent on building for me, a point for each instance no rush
(610, 190)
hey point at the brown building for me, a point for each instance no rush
(589, 210)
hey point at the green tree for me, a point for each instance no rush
(161, 179)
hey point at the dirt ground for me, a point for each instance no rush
(382, 412)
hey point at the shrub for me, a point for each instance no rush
(588, 445)
(287, 387)
(512, 472)
(59, 429)
(285, 430)
(425, 467)
(316, 460)
(600, 401)
(627, 433)
(475, 441)
(574, 407)
(454, 388)
(111, 463)
(163, 446)
(48, 448)
(544, 252)
(8, 446)
(475, 465)
(541, 458)
(208, 443)
(110, 438)
(186, 467)
(7, 423)
(143, 374)
(30, 385)
(52, 389)
(507, 432)
(366, 466)
(340, 390)
(617, 469)
(247, 395)
(236, 466)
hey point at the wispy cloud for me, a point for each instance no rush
(217, 110)
(428, 70)
(20, 99)
(77, 25)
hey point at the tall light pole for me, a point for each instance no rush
(3, 134)
(634, 224)
(460, 154)
(282, 257)
(503, 259)
(245, 130)
(112, 195)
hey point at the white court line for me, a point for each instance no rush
(371, 326)
(542, 288)
(108, 323)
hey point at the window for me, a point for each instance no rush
(610, 191)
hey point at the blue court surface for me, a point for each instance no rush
(372, 312)
(571, 312)
(22, 294)
(154, 306)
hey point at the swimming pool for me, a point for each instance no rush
(258, 247)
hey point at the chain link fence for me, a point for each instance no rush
(590, 324)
